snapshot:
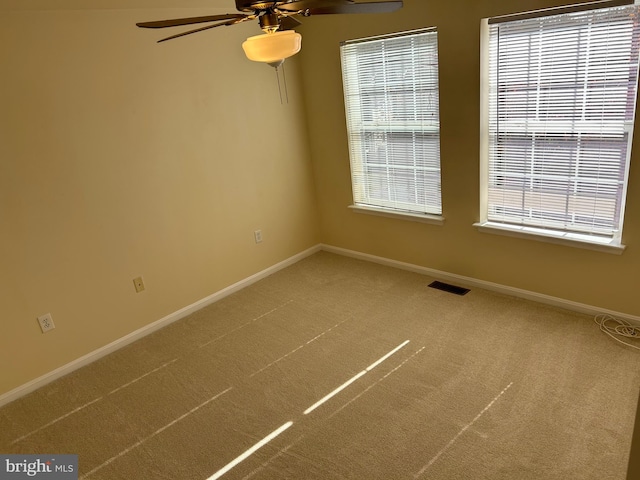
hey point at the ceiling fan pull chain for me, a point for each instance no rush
(278, 79)
(284, 78)
(277, 66)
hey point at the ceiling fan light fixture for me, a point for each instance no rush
(272, 47)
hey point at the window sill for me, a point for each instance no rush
(560, 239)
(412, 217)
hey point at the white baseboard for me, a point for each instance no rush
(29, 387)
(495, 287)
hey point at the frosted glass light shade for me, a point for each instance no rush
(272, 47)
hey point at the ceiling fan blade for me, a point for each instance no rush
(188, 21)
(223, 24)
(289, 23)
(296, 6)
(322, 8)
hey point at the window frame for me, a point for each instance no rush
(564, 237)
(362, 201)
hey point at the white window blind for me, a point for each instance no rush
(391, 100)
(562, 95)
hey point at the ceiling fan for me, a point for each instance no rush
(276, 19)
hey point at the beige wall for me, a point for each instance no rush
(599, 279)
(120, 157)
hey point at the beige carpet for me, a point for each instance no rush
(336, 368)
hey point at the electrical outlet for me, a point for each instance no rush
(258, 236)
(46, 322)
(139, 284)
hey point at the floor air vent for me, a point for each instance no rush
(445, 287)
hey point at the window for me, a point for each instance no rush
(391, 100)
(558, 118)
